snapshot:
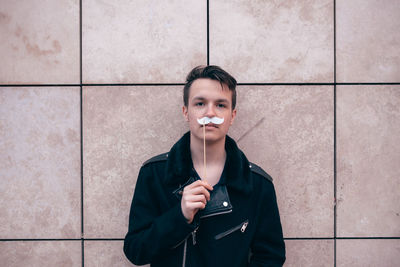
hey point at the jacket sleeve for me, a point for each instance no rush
(268, 247)
(152, 233)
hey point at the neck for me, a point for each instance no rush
(215, 153)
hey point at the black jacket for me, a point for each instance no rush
(246, 231)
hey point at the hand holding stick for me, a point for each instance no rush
(194, 198)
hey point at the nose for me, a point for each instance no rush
(210, 111)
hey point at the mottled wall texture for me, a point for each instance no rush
(90, 89)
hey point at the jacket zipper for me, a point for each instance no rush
(185, 245)
(241, 226)
(217, 213)
(177, 245)
(194, 236)
(184, 253)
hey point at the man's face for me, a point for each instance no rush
(208, 99)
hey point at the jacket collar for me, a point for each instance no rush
(179, 164)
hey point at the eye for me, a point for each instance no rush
(199, 104)
(221, 105)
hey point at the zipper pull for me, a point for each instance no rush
(194, 237)
(244, 226)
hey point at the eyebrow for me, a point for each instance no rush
(200, 98)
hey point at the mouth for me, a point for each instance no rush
(210, 125)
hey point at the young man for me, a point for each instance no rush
(217, 209)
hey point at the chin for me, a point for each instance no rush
(215, 137)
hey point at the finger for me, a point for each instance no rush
(207, 186)
(196, 206)
(200, 183)
(196, 190)
(200, 190)
(194, 184)
(196, 198)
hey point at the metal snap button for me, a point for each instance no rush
(225, 204)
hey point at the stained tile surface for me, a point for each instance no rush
(309, 253)
(273, 41)
(368, 253)
(288, 131)
(368, 154)
(39, 41)
(367, 41)
(123, 127)
(39, 163)
(143, 41)
(106, 253)
(40, 253)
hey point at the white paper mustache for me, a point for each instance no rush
(213, 120)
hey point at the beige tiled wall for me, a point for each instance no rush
(84, 103)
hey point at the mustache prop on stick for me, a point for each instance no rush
(213, 120)
(203, 121)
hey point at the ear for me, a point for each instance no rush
(185, 113)
(233, 116)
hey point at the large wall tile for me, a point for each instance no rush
(106, 253)
(368, 253)
(367, 41)
(123, 127)
(368, 156)
(39, 163)
(266, 41)
(309, 253)
(40, 41)
(143, 41)
(289, 132)
(40, 253)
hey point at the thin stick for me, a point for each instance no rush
(204, 151)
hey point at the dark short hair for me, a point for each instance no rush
(210, 72)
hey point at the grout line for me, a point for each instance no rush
(40, 85)
(342, 238)
(367, 238)
(83, 253)
(208, 32)
(334, 139)
(60, 239)
(104, 239)
(81, 113)
(182, 84)
(334, 42)
(80, 43)
(133, 84)
(334, 173)
(367, 83)
(334, 83)
(81, 133)
(81, 130)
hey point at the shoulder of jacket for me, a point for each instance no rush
(257, 169)
(161, 157)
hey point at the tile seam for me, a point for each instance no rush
(208, 32)
(81, 131)
(334, 139)
(182, 84)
